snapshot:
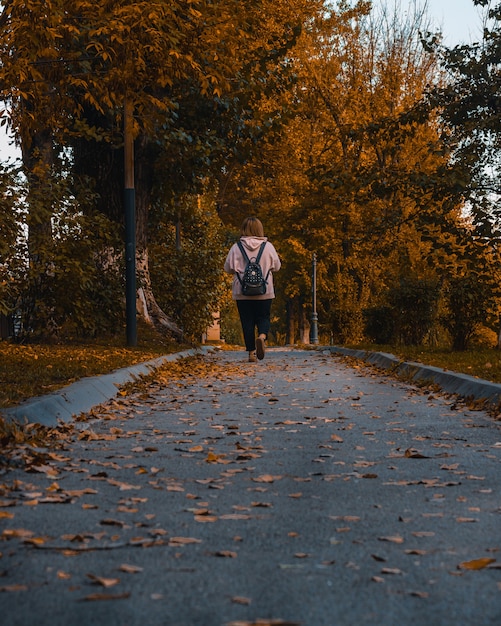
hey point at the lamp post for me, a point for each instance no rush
(314, 316)
(130, 226)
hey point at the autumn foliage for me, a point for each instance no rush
(346, 130)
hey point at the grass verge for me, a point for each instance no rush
(479, 362)
(27, 371)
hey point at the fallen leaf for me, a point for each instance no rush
(94, 597)
(130, 569)
(9, 588)
(241, 600)
(104, 582)
(205, 518)
(412, 453)
(393, 539)
(476, 564)
(229, 554)
(183, 541)
(419, 594)
(266, 478)
(17, 533)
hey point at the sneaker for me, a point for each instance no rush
(252, 357)
(260, 348)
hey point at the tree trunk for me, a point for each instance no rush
(148, 307)
(147, 304)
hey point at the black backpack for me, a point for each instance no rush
(253, 282)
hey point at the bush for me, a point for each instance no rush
(379, 324)
(467, 300)
(76, 288)
(186, 268)
(414, 304)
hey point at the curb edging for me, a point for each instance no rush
(462, 385)
(82, 395)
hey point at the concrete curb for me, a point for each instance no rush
(461, 384)
(82, 395)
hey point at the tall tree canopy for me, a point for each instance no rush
(334, 124)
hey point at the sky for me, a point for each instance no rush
(459, 21)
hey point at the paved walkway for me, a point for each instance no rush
(297, 490)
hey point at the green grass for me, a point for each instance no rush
(31, 370)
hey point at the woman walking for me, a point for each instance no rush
(254, 310)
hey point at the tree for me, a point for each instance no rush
(353, 178)
(469, 105)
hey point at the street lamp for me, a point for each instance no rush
(314, 316)
(130, 226)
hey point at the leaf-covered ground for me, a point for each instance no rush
(32, 370)
(293, 491)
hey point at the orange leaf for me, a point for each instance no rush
(476, 564)
(226, 553)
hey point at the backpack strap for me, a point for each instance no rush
(258, 258)
(246, 259)
(242, 250)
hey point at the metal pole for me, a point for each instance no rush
(314, 316)
(130, 226)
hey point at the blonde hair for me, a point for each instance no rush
(252, 227)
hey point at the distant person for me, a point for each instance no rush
(254, 310)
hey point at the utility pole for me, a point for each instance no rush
(130, 225)
(314, 316)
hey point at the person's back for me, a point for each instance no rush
(255, 309)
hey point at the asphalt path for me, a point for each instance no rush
(297, 490)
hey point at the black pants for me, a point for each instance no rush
(254, 313)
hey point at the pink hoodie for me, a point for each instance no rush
(235, 263)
